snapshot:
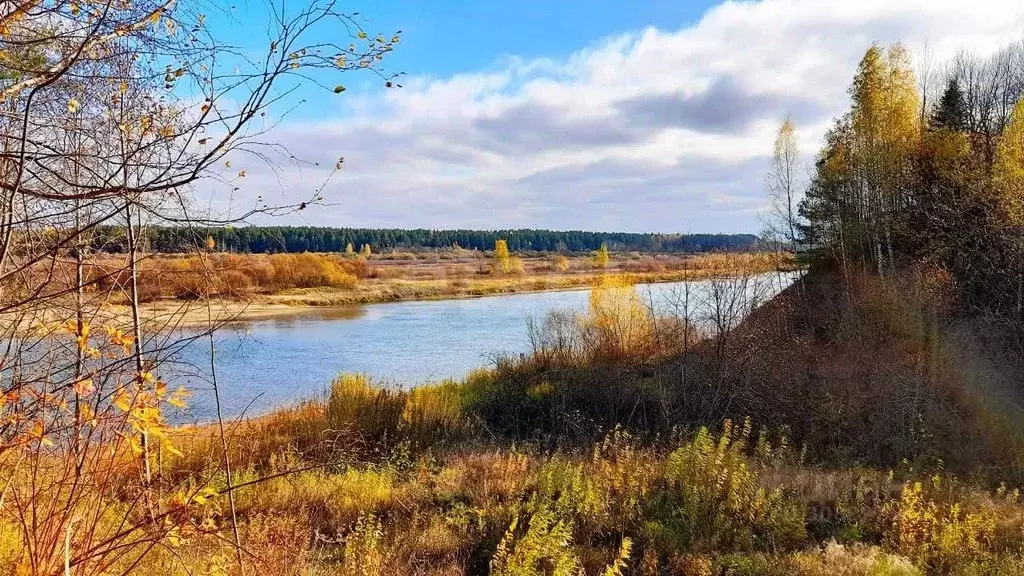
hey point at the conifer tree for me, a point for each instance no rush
(952, 112)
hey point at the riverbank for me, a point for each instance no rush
(397, 280)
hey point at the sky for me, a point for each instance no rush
(639, 116)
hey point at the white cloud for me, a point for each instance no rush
(650, 131)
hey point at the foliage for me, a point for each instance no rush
(502, 257)
(1009, 167)
(715, 500)
(544, 548)
(941, 537)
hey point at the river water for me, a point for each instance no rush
(279, 361)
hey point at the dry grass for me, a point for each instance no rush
(334, 279)
(702, 503)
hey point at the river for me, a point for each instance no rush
(279, 361)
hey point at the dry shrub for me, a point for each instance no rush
(559, 263)
(309, 270)
(233, 275)
(382, 272)
(646, 264)
(620, 321)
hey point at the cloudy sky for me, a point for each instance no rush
(594, 114)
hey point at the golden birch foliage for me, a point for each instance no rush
(1008, 171)
(902, 111)
(885, 116)
(949, 153)
(502, 257)
(366, 250)
(785, 142)
(886, 107)
(781, 183)
(349, 249)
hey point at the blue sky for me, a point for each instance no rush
(634, 116)
(448, 36)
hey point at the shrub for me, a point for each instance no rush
(560, 263)
(606, 494)
(942, 538)
(423, 416)
(714, 499)
(545, 548)
(621, 322)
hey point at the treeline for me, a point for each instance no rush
(907, 180)
(275, 239)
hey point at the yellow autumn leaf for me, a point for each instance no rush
(177, 399)
(84, 387)
(121, 400)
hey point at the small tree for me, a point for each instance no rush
(601, 256)
(781, 184)
(349, 250)
(502, 257)
(366, 251)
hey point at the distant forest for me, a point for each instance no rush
(273, 239)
